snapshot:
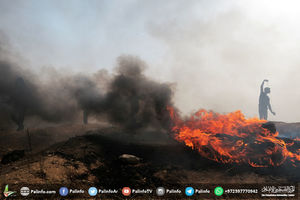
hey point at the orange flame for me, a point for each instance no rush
(232, 138)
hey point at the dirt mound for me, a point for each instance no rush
(95, 158)
(289, 130)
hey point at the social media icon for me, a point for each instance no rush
(63, 191)
(189, 191)
(160, 191)
(93, 191)
(219, 191)
(126, 191)
(24, 191)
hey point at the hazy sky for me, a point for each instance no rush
(217, 52)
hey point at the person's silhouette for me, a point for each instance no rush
(85, 117)
(264, 102)
(20, 91)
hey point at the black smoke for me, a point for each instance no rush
(133, 100)
(126, 98)
(21, 93)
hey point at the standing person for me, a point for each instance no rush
(85, 117)
(264, 102)
(20, 91)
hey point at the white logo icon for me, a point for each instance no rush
(160, 191)
(24, 191)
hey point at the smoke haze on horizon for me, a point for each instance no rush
(217, 52)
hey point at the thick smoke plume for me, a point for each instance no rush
(130, 100)
(135, 101)
(127, 98)
(21, 93)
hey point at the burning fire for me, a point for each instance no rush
(232, 138)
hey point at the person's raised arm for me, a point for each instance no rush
(262, 85)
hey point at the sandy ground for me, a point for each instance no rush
(84, 155)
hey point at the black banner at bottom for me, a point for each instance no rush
(191, 191)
